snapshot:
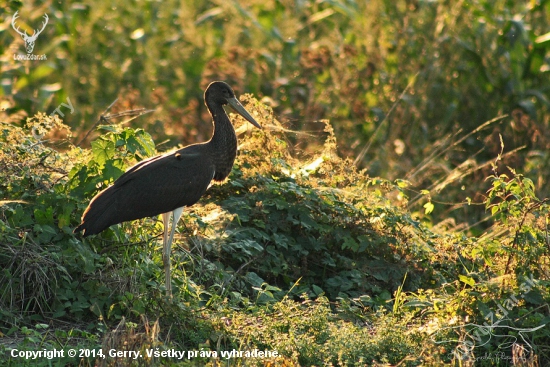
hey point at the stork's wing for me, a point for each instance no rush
(154, 186)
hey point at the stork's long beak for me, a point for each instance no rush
(237, 106)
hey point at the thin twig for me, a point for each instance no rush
(515, 243)
(134, 113)
(105, 118)
(373, 136)
(101, 118)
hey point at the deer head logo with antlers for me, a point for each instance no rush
(29, 40)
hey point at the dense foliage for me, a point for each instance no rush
(428, 245)
(258, 249)
(404, 83)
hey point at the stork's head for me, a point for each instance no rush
(222, 94)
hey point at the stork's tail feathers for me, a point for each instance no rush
(81, 227)
(88, 230)
(100, 214)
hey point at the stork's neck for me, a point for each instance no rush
(223, 144)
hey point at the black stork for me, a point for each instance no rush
(167, 183)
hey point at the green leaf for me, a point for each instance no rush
(254, 279)
(317, 290)
(113, 169)
(102, 150)
(467, 280)
(350, 243)
(141, 142)
(44, 216)
(402, 183)
(429, 207)
(534, 297)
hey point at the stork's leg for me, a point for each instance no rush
(167, 245)
(166, 252)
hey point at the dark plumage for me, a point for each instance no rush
(167, 183)
(151, 187)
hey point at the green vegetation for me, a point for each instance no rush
(428, 245)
